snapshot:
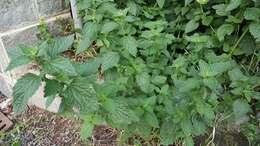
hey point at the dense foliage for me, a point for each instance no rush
(162, 70)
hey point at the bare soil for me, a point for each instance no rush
(37, 127)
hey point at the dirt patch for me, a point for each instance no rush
(41, 128)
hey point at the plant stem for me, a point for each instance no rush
(238, 41)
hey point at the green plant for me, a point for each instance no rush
(164, 70)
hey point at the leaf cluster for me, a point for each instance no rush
(172, 68)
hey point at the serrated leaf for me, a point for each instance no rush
(24, 88)
(133, 7)
(159, 80)
(199, 127)
(166, 132)
(160, 3)
(52, 87)
(18, 61)
(60, 45)
(49, 100)
(143, 81)
(28, 50)
(130, 44)
(191, 26)
(81, 94)
(236, 75)
(211, 70)
(90, 32)
(185, 86)
(203, 2)
(254, 29)
(206, 20)
(188, 141)
(59, 65)
(109, 26)
(151, 119)
(186, 127)
(205, 110)
(233, 4)
(87, 68)
(119, 111)
(196, 38)
(240, 108)
(84, 44)
(87, 128)
(223, 30)
(252, 14)
(110, 60)
(220, 9)
(187, 2)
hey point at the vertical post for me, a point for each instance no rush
(77, 21)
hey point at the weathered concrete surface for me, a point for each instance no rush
(50, 7)
(5, 87)
(39, 101)
(28, 36)
(16, 13)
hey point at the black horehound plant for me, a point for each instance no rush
(173, 69)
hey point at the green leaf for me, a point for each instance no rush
(90, 32)
(203, 2)
(160, 3)
(236, 75)
(28, 50)
(119, 112)
(205, 110)
(151, 119)
(252, 14)
(84, 45)
(220, 9)
(130, 44)
(110, 60)
(206, 20)
(158, 80)
(109, 26)
(186, 86)
(186, 127)
(233, 5)
(196, 38)
(52, 87)
(49, 100)
(59, 65)
(18, 61)
(191, 26)
(240, 108)
(189, 141)
(223, 30)
(166, 132)
(254, 29)
(81, 94)
(60, 45)
(87, 68)
(133, 7)
(24, 88)
(187, 2)
(87, 128)
(143, 81)
(211, 70)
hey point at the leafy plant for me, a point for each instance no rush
(163, 69)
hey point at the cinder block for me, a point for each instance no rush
(17, 13)
(29, 35)
(5, 86)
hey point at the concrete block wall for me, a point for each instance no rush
(19, 20)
